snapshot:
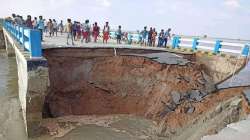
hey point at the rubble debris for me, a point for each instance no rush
(176, 97)
(190, 110)
(246, 93)
(195, 95)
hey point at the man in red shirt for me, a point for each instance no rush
(96, 31)
(106, 29)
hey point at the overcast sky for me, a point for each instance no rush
(217, 18)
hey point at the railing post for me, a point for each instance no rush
(9, 27)
(12, 28)
(6, 26)
(22, 34)
(217, 46)
(173, 42)
(195, 44)
(16, 32)
(176, 42)
(245, 51)
(35, 43)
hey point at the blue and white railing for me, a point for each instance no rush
(30, 39)
(213, 45)
(216, 46)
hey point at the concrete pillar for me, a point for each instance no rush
(217, 47)
(33, 87)
(37, 89)
(195, 44)
(32, 84)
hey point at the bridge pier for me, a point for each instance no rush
(32, 83)
(33, 86)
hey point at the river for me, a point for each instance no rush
(11, 120)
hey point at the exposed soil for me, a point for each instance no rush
(123, 85)
(178, 98)
(209, 116)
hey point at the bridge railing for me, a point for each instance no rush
(30, 39)
(216, 46)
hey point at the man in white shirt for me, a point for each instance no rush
(86, 31)
(106, 30)
(54, 27)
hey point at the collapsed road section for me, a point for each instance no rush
(177, 91)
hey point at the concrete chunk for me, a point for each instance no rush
(176, 97)
(190, 110)
(195, 95)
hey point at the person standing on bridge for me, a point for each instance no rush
(119, 34)
(166, 37)
(139, 37)
(154, 35)
(61, 27)
(78, 30)
(41, 26)
(106, 30)
(150, 32)
(144, 36)
(54, 27)
(69, 31)
(161, 38)
(13, 19)
(74, 28)
(50, 27)
(28, 22)
(86, 31)
(45, 26)
(96, 31)
(34, 23)
(130, 38)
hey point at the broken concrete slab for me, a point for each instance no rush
(190, 110)
(166, 58)
(195, 95)
(168, 108)
(203, 93)
(176, 97)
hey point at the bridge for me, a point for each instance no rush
(51, 67)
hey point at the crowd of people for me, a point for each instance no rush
(148, 38)
(85, 32)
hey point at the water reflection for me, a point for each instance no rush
(11, 122)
